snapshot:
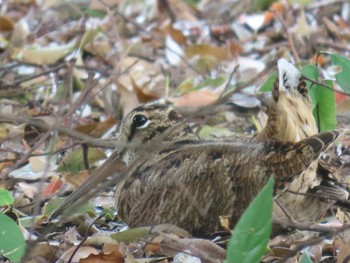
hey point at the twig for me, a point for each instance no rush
(61, 129)
(325, 86)
(288, 35)
(46, 72)
(84, 238)
(313, 241)
(292, 223)
(335, 45)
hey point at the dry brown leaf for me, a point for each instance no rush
(75, 180)
(112, 255)
(83, 252)
(221, 53)
(45, 55)
(129, 98)
(44, 250)
(344, 253)
(6, 24)
(195, 98)
(140, 93)
(175, 34)
(202, 248)
(97, 129)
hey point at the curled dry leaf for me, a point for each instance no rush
(110, 254)
(76, 179)
(141, 93)
(83, 252)
(195, 98)
(175, 34)
(97, 129)
(204, 249)
(53, 187)
(45, 55)
(6, 24)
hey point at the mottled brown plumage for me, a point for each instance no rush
(177, 178)
(174, 177)
(291, 120)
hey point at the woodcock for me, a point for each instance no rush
(174, 177)
(291, 120)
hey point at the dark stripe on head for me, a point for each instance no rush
(174, 116)
(132, 132)
(156, 132)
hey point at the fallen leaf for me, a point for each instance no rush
(83, 252)
(76, 179)
(221, 53)
(54, 186)
(195, 98)
(44, 55)
(6, 24)
(97, 129)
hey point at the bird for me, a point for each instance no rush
(180, 179)
(172, 176)
(176, 178)
(290, 119)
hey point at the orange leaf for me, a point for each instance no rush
(55, 185)
(175, 34)
(195, 98)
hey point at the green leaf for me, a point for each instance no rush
(306, 258)
(74, 161)
(54, 203)
(5, 197)
(324, 111)
(323, 100)
(251, 234)
(268, 85)
(88, 36)
(261, 5)
(342, 77)
(311, 72)
(12, 244)
(131, 234)
(302, 3)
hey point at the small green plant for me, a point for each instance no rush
(12, 243)
(252, 232)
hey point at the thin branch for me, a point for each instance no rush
(288, 35)
(325, 86)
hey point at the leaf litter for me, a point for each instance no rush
(71, 70)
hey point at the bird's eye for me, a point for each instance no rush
(139, 121)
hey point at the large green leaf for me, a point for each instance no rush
(342, 77)
(268, 84)
(325, 107)
(252, 232)
(12, 244)
(74, 162)
(55, 202)
(323, 101)
(5, 197)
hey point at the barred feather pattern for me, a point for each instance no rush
(189, 182)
